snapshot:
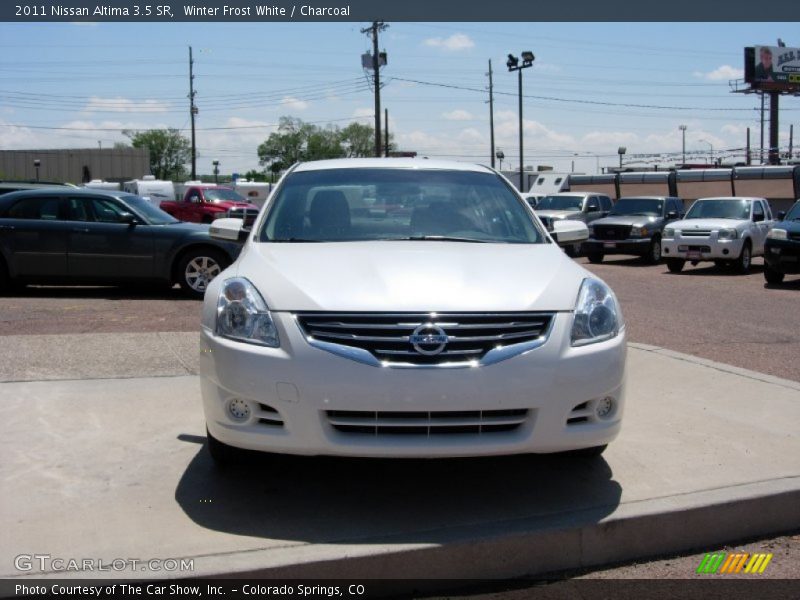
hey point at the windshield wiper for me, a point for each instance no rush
(442, 238)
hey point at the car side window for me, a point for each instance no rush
(767, 210)
(605, 202)
(758, 212)
(77, 210)
(106, 211)
(40, 208)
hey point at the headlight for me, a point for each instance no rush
(597, 314)
(242, 314)
(669, 233)
(591, 230)
(777, 234)
(727, 234)
(638, 231)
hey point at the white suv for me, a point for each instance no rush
(406, 308)
(729, 231)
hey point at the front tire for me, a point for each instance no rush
(675, 265)
(595, 257)
(222, 454)
(653, 255)
(745, 259)
(772, 276)
(197, 268)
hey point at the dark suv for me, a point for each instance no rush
(633, 226)
(782, 247)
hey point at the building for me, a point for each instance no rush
(77, 166)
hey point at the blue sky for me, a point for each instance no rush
(74, 85)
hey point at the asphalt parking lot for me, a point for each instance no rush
(703, 311)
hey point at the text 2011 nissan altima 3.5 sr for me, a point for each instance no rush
(407, 308)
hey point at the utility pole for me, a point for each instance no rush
(791, 140)
(514, 65)
(774, 157)
(386, 128)
(761, 151)
(192, 113)
(377, 26)
(747, 159)
(491, 113)
(683, 132)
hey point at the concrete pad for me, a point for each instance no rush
(116, 469)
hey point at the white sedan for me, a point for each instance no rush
(442, 321)
(727, 230)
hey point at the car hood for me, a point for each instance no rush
(791, 226)
(409, 276)
(634, 220)
(558, 214)
(231, 204)
(713, 224)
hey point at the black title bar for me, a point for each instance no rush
(396, 10)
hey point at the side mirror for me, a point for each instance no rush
(592, 208)
(781, 215)
(758, 218)
(566, 232)
(228, 230)
(672, 215)
(128, 218)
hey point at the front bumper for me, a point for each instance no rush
(701, 248)
(638, 246)
(292, 389)
(783, 255)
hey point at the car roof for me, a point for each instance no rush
(648, 198)
(733, 198)
(390, 163)
(48, 191)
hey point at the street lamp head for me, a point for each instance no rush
(621, 150)
(37, 162)
(527, 58)
(682, 127)
(500, 154)
(512, 62)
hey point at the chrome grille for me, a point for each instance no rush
(696, 233)
(422, 423)
(388, 337)
(248, 215)
(612, 232)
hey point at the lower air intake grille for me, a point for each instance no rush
(471, 422)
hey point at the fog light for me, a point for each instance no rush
(666, 250)
(725, 251)
(604, 407)
(238, 410)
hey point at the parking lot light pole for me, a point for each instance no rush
(710, 150)
(36, 164)
(216, 170)
(621, 151)
(513, 64)
(500, 156)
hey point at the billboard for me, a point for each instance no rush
(772, 68)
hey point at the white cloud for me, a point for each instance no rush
(120, 104)
(722, 73)
(454, 43)
(458, 115)
(294, 103)
(363, 113)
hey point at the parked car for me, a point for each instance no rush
(79, 236)
(782, 248)
(575, 206)
(633, 226)
(456, 328)
(533, 199)
(728, 230)
(203, 203)
(6, 187)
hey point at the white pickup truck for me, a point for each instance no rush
(727, 230)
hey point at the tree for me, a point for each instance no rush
(169, 151)
(298, 141)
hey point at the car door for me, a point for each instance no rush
(102, 247)
(760, 226)
(33, 235)
(193, 206)
(605, 205)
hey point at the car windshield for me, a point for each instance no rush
(369, 204)
(794, 213)
(638, 206)
(719, 209)
(224, 195)
(560, 203)
(152, 214)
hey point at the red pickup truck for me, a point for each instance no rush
(204, 203)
